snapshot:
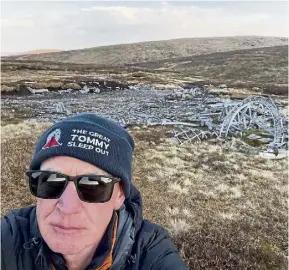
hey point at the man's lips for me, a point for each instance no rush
(64, 229)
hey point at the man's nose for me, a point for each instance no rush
(69, 202)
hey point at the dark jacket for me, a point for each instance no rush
(140, 244)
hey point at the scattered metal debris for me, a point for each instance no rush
(255, 112)
(187, 134)
(60, 108)
(222, 86)
(69, 90)
(82, 86)
(37, 91)
(254, 123)
(237, 118)
(86, 89)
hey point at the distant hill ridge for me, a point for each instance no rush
(118, 55)
(34, 52)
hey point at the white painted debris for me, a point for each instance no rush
(164, 121)
(174, 140)
(65, 91)
(254, 137)
(96, 90)
(60, 108)
(265, 140)
(84, 90)
(37, 91)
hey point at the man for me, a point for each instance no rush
(88, 214)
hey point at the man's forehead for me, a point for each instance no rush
(70, 166)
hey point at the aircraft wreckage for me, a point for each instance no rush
(254, 123)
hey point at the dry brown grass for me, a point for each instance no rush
(63, 76)
(224, 211)
(266, 68)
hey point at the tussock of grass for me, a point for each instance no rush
(177, 188)
(178, 226)
(228, 215)
(223, 211)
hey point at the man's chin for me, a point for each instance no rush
(64, 243)
(64, 248)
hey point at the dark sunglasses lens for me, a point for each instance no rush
(95, 189)
(47, 185)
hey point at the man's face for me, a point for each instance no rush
(68, 225)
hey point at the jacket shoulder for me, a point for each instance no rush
(17, 221)
(157, 251)
(15, 231)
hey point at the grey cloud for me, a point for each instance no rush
(76, 25)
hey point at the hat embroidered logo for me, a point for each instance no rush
(53, 139)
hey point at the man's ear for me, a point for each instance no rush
(120, 197)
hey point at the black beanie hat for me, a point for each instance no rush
(90, 138)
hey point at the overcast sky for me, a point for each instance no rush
(78, 24)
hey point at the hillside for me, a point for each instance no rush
(265, 68)
(261, 65)
(156, 50)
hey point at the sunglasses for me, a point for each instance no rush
(90, 188)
